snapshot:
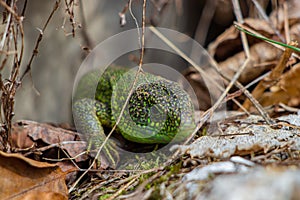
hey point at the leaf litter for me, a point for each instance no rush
(24, 178)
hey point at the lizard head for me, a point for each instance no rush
(158, 112)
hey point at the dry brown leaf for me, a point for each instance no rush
(31, 132)
(229, 43)
(260, 53)
(37, 195)
(295, 32)
(47, 133)
(23, 178)
(227, 49)
(20, 139)
(273, 77)
(287, 90)
(278, 16)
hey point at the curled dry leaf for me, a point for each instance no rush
(272, 78)
(20, 139)
(23, 178)
(228, 50)
(31, 132)
(263, 57)
(229, 42)
(287, 90)
(293, 15)
(36, 195)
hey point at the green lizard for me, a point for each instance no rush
(158, 110)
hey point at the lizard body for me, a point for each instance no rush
(158, 110)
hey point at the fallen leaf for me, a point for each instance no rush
(287, 90)
(37, 195)
(30, 132)
(23, 178)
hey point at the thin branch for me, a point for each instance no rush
(123, 188)
(39, 39)
(9, 9)
(10, 86)
(136, 22)
(6, 28)
(69, 9)
(24, 8)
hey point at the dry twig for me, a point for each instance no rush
(39, 39)
(12, 34)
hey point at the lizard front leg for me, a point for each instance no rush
(85, 116)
